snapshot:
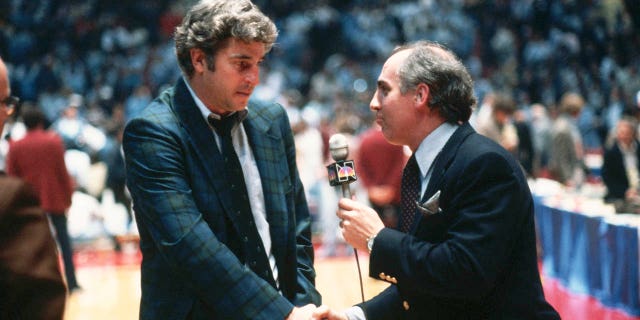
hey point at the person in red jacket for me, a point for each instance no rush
(38, 158)
(379, 169)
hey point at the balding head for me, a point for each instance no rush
(4, 80)
(5, 91)
(449, 82)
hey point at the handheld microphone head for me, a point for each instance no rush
(339, 147)
(342, 172)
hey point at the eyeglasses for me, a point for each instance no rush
(10, 103)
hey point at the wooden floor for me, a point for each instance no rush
(111, 285)
(111, 288)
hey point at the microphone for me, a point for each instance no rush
(342, 171)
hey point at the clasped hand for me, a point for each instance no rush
(310, 312)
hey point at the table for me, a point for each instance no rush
(591, 254)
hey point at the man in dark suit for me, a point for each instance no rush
(30, 278)
(620, 167)
(224, 225)
(468, 247)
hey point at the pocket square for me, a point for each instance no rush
(430, 206)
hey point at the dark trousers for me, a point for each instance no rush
(59, 222)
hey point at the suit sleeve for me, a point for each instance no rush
(163, 200)
(486, 208)
(305, 291)
(613, 172)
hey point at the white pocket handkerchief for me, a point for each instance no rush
(430, 206)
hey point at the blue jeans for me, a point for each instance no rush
(64, 242)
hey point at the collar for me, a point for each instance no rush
(206, 112)
(432, 144)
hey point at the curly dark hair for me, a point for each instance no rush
(210, 22)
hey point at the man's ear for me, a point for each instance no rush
(422, 93)
(198, 60)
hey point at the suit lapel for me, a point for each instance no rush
(442, 163)
(202, 140)
(265, 146)
(267, 151)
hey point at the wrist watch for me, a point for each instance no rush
(370, 242)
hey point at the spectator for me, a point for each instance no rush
(379, 168)
(621, 166)
(540, 123)
(38, 158)
(567, 151)
(499, 125)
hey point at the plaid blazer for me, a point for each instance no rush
(182, 204)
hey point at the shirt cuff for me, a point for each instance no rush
(355, 313)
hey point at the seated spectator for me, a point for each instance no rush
(621, 166)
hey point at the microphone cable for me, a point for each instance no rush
(355, 252)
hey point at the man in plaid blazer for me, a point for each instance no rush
(196, 259)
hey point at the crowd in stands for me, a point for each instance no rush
(113, 57)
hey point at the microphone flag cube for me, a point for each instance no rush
(341, 172)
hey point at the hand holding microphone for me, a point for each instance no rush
(342, 171)
(357, 221)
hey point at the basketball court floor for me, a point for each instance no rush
(111, 286)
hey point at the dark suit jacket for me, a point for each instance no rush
(31, 285)
(476, 258)
(192, 256)
(614, 174)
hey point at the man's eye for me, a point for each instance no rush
(242, 64)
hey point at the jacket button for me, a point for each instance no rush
(405, 305)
